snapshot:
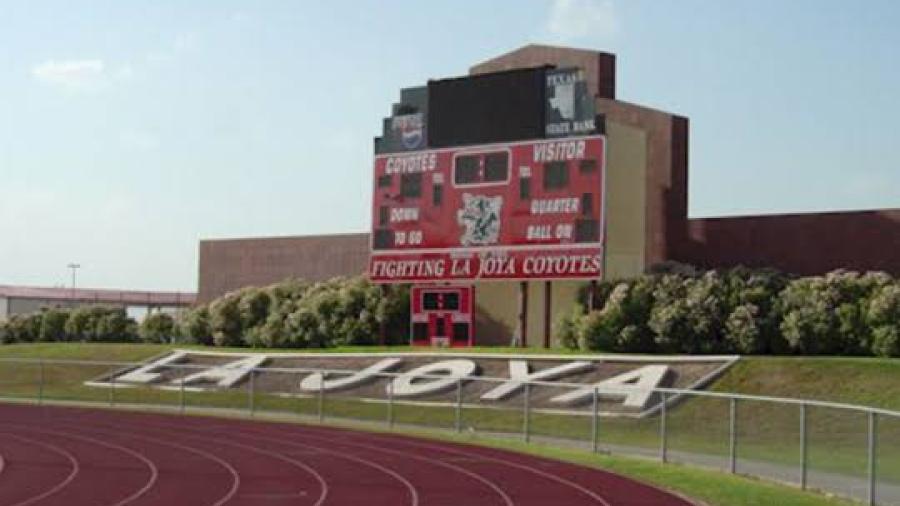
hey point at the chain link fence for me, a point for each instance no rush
(852, 451)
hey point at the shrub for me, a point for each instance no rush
(253, 307)
(597, 331)
(22, 328)
(742, 330)
(80, 324)
(883, 317)
(669, 314)
(565, 328)
(826, 314)
(157, 327)
(114, 325)
(886, 341)
(194, 327)
(53, 325)
(6, 336)
(392, 310)
(225, 321)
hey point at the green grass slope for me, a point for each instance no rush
(868, 381)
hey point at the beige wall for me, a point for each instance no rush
(497, 309)
(626, 177)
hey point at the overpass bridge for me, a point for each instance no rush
(27, 299)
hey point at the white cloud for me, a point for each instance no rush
(571, 20)
(76, 75)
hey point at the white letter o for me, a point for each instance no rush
(406, 385)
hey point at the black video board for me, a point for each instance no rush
(481, 109)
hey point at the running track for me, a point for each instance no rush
(53, 456)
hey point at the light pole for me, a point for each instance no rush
(74, 267)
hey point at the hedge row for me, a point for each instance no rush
(741, 311)
(297, 314)
(291, 314)
(675, 311)
(87, 323)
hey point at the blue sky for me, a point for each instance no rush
(130, 130)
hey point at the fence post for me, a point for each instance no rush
(526, 410)
(873, 448)
(181, 396)
(41, 382)
(112, 389)
(803, 448)
(297, 393)
(458, 405)
(321, 400)
(390, 410)
(594, 420)
(251, 405)
(732, 435)
(663, 431)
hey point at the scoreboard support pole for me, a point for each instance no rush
(523, 313)
(592, 295)
(548, 316)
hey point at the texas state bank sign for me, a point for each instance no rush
(625, 384)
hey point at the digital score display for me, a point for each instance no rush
(523, 210)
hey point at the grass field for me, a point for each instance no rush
(766, 432)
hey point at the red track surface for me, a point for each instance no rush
(77, 457)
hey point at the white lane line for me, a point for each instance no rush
(550, 476)
(302, 466)
(235, 477)
(490, 484)
(154, 471)
(76, 467)
(414, 495)
(275, 496)
(296, 463)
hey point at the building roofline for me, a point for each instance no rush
(894, 210)
(315, 236)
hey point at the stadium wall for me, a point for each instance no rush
(810, 243)
(230, 264)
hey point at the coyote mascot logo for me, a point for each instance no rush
(480, 215)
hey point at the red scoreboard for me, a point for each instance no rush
(514, 211)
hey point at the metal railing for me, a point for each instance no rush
(846, 449)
